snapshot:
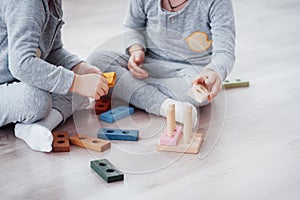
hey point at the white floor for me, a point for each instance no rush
(252, 144)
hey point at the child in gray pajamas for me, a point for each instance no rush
(37, 75)
(170, 45)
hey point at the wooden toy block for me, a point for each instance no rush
(60, 142)
(187, 131)
(89, 142)
(199, 92)
(171, 124)
(102, 105)
(235, 83)
(173, 140)
(116, 114)
(118, 134)
(111, 78)
(107, 171)
(192, 148)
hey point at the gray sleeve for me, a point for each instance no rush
(25, 20)
(60, 56)
(223, 37)
(135, 23)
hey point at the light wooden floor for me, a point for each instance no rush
(256, 130)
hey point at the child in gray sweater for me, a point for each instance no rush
(37, 75)
(171, 45)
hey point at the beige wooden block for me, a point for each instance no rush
(171, 124)
(90, 142)
(192, 148)
(187, 131)
(199, 92)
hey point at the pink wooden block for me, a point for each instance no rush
(171, 141)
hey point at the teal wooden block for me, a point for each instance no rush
(107, 171)
(235, 83)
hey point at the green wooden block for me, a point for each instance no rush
(107, 171)
(235, 83)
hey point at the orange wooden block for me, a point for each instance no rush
(60, 142)
(90, 142)
(111, 78)
(102, 105)
(192, 148)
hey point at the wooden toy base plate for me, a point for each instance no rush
(193, 147)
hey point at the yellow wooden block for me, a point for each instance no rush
(192, 148)
(111, 78)
(89, 142)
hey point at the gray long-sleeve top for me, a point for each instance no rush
(29, 25)
(202, 33)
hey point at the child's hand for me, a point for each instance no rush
(86, 68)
(212, 79)
(136, 62)
(90, 85)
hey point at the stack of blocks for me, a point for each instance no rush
(173, 139)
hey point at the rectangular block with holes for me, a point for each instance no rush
(199, 92)
(111, 78)
(60, 142)
(116, 114)
(102, 105)
(118, 134)
(89, 142)
(107, 171)
(235, 83)
(171, 141)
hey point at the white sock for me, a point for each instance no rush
(38, 135)
(179, 111)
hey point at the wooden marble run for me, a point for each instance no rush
(174, 140)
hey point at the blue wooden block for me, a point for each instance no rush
(116, 114)
(118, 134)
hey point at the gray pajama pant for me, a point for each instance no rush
(166, 80)
(20, 102)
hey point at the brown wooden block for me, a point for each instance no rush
(60, 142)
(193, 147)
(111, 78)
(102, 105)
(90, 142)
